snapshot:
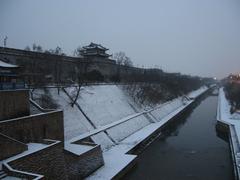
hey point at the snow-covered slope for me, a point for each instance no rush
(167, 108)
(74, 121)
(124, 130)
(104, 104)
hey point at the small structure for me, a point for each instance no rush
(9, 78)
(234, 78)
(32, 145)
(94, 50)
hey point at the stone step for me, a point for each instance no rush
(2, 175)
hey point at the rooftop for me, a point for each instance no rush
(94, 45)
(7, 65)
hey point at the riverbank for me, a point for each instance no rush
(230, 124)
(118, 160)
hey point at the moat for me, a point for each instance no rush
(189, 148)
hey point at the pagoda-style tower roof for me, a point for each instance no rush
(94, 49)
(95, 46)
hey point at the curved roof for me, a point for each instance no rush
(94, 45)
(7, 65)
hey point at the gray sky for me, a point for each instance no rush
(198, 37)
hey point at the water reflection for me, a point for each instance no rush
(172, 129)
(188, 148)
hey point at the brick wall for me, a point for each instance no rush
(81, 166)
(48, 162)
(10, 147)
(14, 104)
(56, 163)
(35, 128)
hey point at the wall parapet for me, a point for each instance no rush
(36, 127)
(14, 103)
(19, 165)
(10, 146)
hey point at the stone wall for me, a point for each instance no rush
(48, 162)
(14, 104)
(61, 69)
(35, 128)
(54, 162)
(81, 166)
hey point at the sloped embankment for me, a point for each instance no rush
(107, 116)
(104, 105)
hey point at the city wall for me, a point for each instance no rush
(37, 66)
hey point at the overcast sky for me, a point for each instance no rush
(198, 37)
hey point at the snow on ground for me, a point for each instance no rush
(113, 165)
(108, 105)
(196, 93)
(74, 121)
(167, 108)
(123, 130)
(105, 104)
(116, 158)
(224, 115)
(77, 149)
(102, 139)
(32, 147)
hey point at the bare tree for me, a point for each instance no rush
(5, 41)
(128, 62)
(37, 48)
(27, 48)
(34, 47)
(119, 57)
(58, 51)
(122, 59)
(49, 51)
(77, 52)
(75, 97)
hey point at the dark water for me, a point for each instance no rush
(188, 150)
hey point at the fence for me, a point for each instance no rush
(8, 86)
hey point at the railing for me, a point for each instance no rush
(39, 107)
(116, 123)
(9, 86)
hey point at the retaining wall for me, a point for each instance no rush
(35, 128)
(14, 104)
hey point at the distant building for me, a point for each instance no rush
(9, 78)
(94, 50)
(234, 78)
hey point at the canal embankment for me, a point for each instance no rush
(119, 159)
(188, 148)
(230, 124)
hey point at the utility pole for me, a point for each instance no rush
(5, 41)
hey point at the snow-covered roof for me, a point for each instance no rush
(94, 45)
(7, 65)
